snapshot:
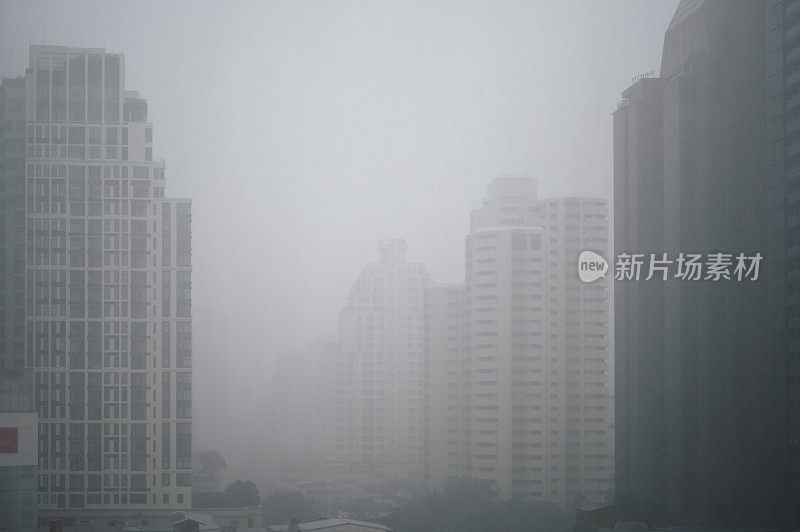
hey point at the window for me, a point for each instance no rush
(141, 172)
(165, 447)
(183, 452)
(183, 345)
(112, 89)
(184, 396)
(183, 280)
(76, 134)
(166, 352)
(184, 235)
(94, 135)
(95, 88)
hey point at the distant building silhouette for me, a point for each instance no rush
(445, 389)
(374, 374)
(292, 415)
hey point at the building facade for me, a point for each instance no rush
(641, 444)
(533, 374)
(695, 364)
(445, 370)
(12, 221)
(783, 152)
(538, 378)
(106, 272)
(374, 374)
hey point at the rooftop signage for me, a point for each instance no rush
(648, 74)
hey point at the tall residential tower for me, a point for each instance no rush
(374, 375)
(535, 376)
(445, 386)
(106, 267)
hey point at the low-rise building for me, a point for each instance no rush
(241, 519)
(336, 524)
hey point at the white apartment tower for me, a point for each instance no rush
(374, 375)
(107, 275)
(445, 365)
(536, 381)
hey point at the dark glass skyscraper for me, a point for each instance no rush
(783, 86)
(695, 364)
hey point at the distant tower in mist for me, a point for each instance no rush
(534, 380)
(445, 390)
(374, 374)
(97, 287)
(701, 411)
(292, 414)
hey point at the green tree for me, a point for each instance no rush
(517, 514)
(463, 504)
(466, 505)
(213, 462)
(284, 506)
(237, 495)
(242, 493)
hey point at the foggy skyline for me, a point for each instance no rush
(306, 133)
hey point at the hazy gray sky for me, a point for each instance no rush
(307, 131)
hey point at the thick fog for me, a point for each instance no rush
(306, 132)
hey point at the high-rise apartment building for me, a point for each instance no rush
(445, 370)
(374, 375)
(539, 371)
(697, 374)
(12, 221)
(102, 261)
(535, 377)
